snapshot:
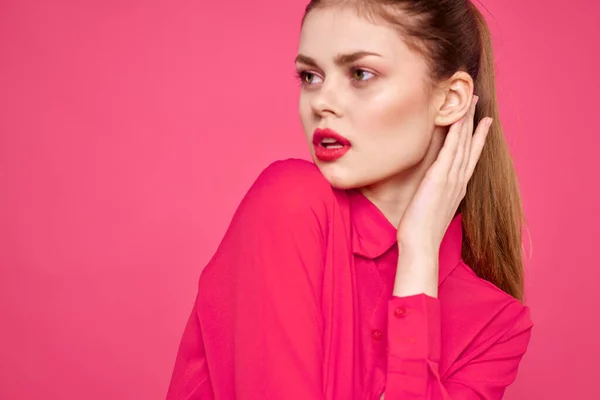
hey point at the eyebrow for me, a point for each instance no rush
(340, 59)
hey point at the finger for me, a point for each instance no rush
(471, 122)
(448, 151)
(460, 150)
(477, 146)
(461, 158)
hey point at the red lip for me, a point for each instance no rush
(331, 152)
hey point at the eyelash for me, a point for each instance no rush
(300, 75)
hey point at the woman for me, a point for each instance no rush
(374, 271)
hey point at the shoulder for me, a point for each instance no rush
(284, 215)
(289, 191)
(291, 183)
(481, 311)
(292, 175)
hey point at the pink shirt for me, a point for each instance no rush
(297, 304)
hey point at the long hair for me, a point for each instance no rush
(453, 36)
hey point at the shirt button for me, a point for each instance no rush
(376, 335)
(400, 312)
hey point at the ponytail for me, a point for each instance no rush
(492, 211)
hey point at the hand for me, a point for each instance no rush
(435, 202)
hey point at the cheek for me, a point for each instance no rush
(305, 114)
(399, 117)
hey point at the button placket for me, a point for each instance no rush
(379, 312)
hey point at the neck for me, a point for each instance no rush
(393, 195)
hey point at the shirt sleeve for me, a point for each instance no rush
(190, 379)
(414, 347)
(259, 302)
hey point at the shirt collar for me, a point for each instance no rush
(373, 235)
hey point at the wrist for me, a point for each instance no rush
(418, 239)
(424, 268)
(421, 252)
(416, 273)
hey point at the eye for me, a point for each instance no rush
(361, 75)
(307, 77)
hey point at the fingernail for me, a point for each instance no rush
(489, 122)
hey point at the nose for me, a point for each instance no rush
(325, 101)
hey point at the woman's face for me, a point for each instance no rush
(360, 80)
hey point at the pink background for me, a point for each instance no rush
(130, 130)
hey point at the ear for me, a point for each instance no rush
(455, 95)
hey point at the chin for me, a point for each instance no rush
(342, 184)
(339, 177)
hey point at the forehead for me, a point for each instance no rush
(341, 29)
